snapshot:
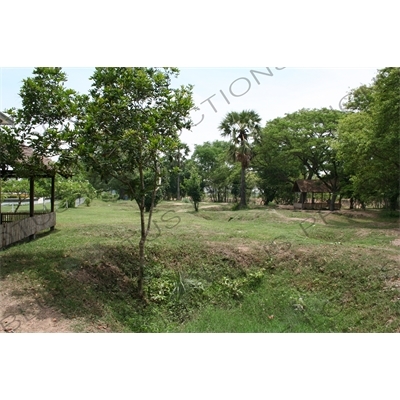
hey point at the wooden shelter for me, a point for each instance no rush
(18, 226)
(5, 119)
(314, 187)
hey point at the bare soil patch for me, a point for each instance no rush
(24, 312)
(396, 242)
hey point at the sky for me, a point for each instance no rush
(270, 91)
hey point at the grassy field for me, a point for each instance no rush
(218, 270)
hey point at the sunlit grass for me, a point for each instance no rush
(218, 270)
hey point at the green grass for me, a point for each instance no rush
(218, 270)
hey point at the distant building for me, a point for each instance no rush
(304, 187)
(5, 120)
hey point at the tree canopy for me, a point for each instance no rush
(369, 139)
(133, 118)
(243, 129)
(300, 144)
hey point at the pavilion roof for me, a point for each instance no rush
(310, 186)
(5, 119)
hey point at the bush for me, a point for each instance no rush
(67, 203)
(107, 196)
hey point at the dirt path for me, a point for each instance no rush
(26, 313)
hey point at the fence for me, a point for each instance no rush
(14, 231)
(12, 217)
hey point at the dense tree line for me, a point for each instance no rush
(354, 151)
(125, 135)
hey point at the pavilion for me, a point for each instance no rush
(314, 187)
(15, 227)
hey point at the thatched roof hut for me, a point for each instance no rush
(306, 186)
(310, 186)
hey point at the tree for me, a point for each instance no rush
(243, 130)
(193, 188)
(132, 119)
(175, 163)
(68, 190)
(10, 148)
(10, 153)
(308, 137)
(215, 171)
(277, 169)
(44, 123)
(17, 188)
(369, 139)
(47, 117)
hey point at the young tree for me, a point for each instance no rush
(132, 120)
(18, 188)
(243, 130)
(193, 188)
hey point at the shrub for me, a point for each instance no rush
(107, 196)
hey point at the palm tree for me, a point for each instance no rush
(243, 129)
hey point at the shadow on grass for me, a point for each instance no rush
(319, 290)
(94, 286)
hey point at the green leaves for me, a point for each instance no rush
(133, 116)
(369, 139)
(241, 126)
(243, 130)
(193, 187)
(45, 123)
(10, 148)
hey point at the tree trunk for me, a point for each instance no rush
(243, 188)
(19, 203)
(332, 203)
(178, 180)
(303, 199)
(351, 203)
(142, 244)
(144, 230)
(178, 188)
(141, 268)
(393, 202)
(143, 236)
